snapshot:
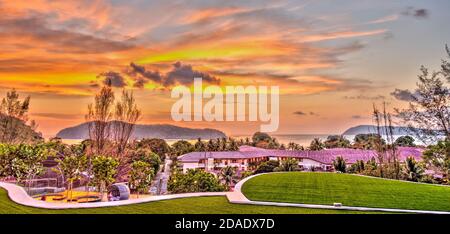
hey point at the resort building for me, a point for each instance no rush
(247, 157)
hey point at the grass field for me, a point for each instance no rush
(204, 205)
(350, 190)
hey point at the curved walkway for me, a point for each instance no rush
(18, 195)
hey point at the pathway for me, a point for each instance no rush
(18, 195)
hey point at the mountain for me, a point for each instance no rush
(364, 129)
(14, 130)
(163, 131)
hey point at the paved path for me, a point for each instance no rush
(18, 195)
(162, 177)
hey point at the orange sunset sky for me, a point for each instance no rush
(331, 58)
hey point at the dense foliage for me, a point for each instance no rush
(267, 166)
(104, 170)
(141, 175)
(22, 161)
(336, 141)
(406, 141)
(194, 180)
(339, 164)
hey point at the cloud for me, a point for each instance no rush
(299, 113)
(180, 73)
(184, 74)
(36, 28)
(385, 19)
(420, 13)
(57, 115)
(113, 79)
(142, 76)
(357, 117)
(403, 95)
(365, 97)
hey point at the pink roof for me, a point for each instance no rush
(323, 156)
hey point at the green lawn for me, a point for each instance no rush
(204, 205)
(350, 190)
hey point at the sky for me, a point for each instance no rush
(332, 59)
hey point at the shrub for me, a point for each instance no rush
(267, 166)
(339, 164)
(194, 180)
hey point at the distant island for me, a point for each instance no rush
(162, 131)
(364, 129)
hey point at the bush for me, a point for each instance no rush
(146, 155)
(289, 164)
(339, 164)
(194, 180)
(267, 166)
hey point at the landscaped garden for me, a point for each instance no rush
(200, 205)
(350, 190)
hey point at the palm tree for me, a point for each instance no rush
(227, 175)
(289, 164)
(294, 146)
(199, 145)
(413, 170)
(339, 164)
(316, 145)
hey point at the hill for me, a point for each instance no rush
(18, 130)
(364, 129)
(163, 131)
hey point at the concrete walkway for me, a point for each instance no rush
(18, 195)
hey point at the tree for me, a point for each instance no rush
(26, 161)
(336, 141)
(141, 175)
(194, 180)
(104, 170)
(413, 170)
(227, 174)
(261, 136)
(71, 168)
(147, 156)
(367, 141)
(387, 154)
(182, 147)
(428, 114)
(357, 167)
(126, 115)
(294, 146)
(267, 166)
(316, 145)
(158, 146)
(200, 146)
(99, 117)
(438, 157)
(339, 164)
(371, 168)
(13, 121)
(289, 164)
(405, 141)
(7, 154)
(232, 145)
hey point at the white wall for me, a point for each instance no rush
(187, 166)
(309, 163)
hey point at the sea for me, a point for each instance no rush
(301, 139)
